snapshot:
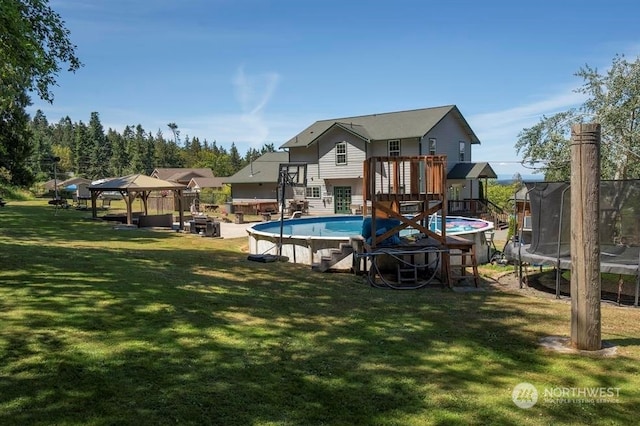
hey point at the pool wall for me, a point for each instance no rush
(309, 249)
(304, 249)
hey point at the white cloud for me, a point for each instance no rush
(498, 130)
(504, 126)
(254, 92)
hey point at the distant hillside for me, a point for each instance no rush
(508, 179)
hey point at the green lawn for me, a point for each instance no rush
(103, 326)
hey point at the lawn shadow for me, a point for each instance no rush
(163, 328)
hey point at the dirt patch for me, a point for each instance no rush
(543, 284)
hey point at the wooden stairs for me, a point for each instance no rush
(336, 255)
(458, 270)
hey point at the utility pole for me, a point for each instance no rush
(55, 160)
(586, 322)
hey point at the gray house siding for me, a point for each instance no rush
(356, 153)
(449, 134)
(381, 148)
(335, 175)
(367, 136)
(309, 156)
(324, 173)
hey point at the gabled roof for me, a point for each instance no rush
(392, 125)
(263, 169)
(50, 185)
(521, 194)
(74, 181)
(471, 171)
(136, 182)
(200, 182)
(181, 173)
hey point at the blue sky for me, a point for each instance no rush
(260, 71)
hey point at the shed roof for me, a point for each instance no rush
(74, 181)
(471, 171)
(201, 182)
(181, 173)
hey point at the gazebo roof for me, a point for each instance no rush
(136, 182)
(133, 186)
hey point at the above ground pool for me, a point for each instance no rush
(347, 226)
(306, 240)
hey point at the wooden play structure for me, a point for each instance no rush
(410, 191)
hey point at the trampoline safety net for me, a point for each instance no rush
(619, 223)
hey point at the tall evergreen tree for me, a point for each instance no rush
(160, 149)
(62, 133)
(267, 147)
(15, 147)
(100, 147)
(82, 150)
(148, 154)
(119, 158)
(138, 151)
(42, 145)
(173, 157)
(234, 158)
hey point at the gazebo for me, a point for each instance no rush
(133, 186)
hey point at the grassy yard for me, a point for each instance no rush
(103, 326)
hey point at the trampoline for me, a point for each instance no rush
(548, 239)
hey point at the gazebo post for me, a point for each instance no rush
(129, 200)
(145, 198)
(131, 186)
(180, 209)
(94, 199)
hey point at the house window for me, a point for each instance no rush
(432, 146)
(312, 192)
(461, 152)
(341, 153)
(394, 148)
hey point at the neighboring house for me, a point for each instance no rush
(334, 151)
(522, 208)
(200, 183)
(79, 187)
(255, 187)
(181, 175)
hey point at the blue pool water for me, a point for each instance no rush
(346, 226)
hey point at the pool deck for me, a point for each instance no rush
(235, 230)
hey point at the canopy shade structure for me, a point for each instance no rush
(137, 185)
(74, 181)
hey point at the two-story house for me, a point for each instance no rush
(334, 151)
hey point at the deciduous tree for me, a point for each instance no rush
(613, 100)
(34, 45)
